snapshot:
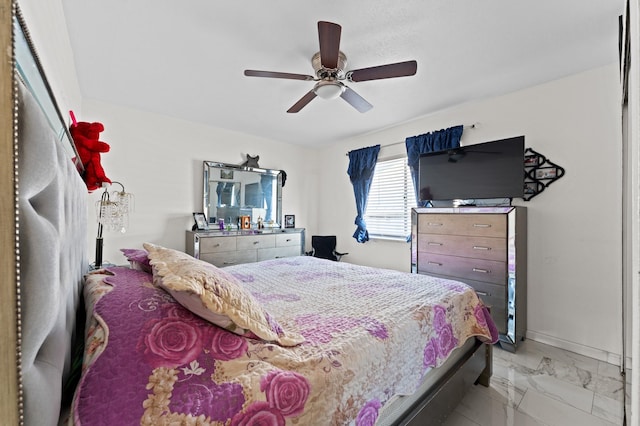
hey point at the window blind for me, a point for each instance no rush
(391, 197)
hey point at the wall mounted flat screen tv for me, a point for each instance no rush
(486, 170)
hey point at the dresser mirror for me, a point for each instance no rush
(231, 191)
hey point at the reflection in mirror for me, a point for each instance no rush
(231, 191)
(228, 194)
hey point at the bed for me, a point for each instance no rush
(321, 343)
(297, 340)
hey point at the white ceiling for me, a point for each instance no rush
(186, 59)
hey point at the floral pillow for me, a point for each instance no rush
(138, 259)
(214, 295)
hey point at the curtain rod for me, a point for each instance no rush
(466, 126)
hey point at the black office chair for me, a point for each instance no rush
(324, 247)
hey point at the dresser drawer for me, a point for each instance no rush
(216, 244)
(463, 267)
(278, 252)
(222, 259)
(287, 239)
(489, 248)
(482, 225)
(494, 296)
(230, 248)
(253, 242)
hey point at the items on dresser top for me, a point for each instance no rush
(483, 247)
(245, 246)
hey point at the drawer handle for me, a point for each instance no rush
(481, 225)
(434, 224)
(256, 242)
(482, 293)
(228, 263)
(484, 271)
(430, 243)
(289, 239)
(217, 245)
(434, 263)
(481, 248)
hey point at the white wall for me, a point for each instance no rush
(574, 226)
(48, 28)
(159, 160)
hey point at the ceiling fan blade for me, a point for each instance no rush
(302, 102)
(273, 74)
(356, 101)
(329, 35)
(400, 69)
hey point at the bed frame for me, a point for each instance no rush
(42, 266)
(475, 367)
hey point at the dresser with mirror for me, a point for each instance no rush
(243, 210)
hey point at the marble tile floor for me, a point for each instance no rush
(541, 385)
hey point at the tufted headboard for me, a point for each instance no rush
(53, 259)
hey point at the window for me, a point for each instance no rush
(391, 197)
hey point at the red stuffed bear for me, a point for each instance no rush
(85, 135)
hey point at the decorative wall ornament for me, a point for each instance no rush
(251, 161)
(539, 173)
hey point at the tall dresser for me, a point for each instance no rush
(485, 247)
(224, 248)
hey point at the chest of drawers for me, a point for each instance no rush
(230, 248)
(483, 247)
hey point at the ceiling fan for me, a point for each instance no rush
(329, 65)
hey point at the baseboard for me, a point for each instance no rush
(598, 354)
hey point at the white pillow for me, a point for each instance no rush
(215, 295)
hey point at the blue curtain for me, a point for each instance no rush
(429, 142)
(362, 163)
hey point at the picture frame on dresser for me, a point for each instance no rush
(201, 221)
(289, 221)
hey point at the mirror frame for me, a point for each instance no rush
(206, 191)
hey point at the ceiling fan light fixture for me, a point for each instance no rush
(329, 65)
(328, 89)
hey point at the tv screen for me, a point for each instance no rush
(486, 170)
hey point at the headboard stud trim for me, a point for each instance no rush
(48, 223)
(16, 115)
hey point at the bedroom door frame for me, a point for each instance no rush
(634, 145)
(631, 190)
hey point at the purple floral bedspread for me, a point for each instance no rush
(370, 334)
